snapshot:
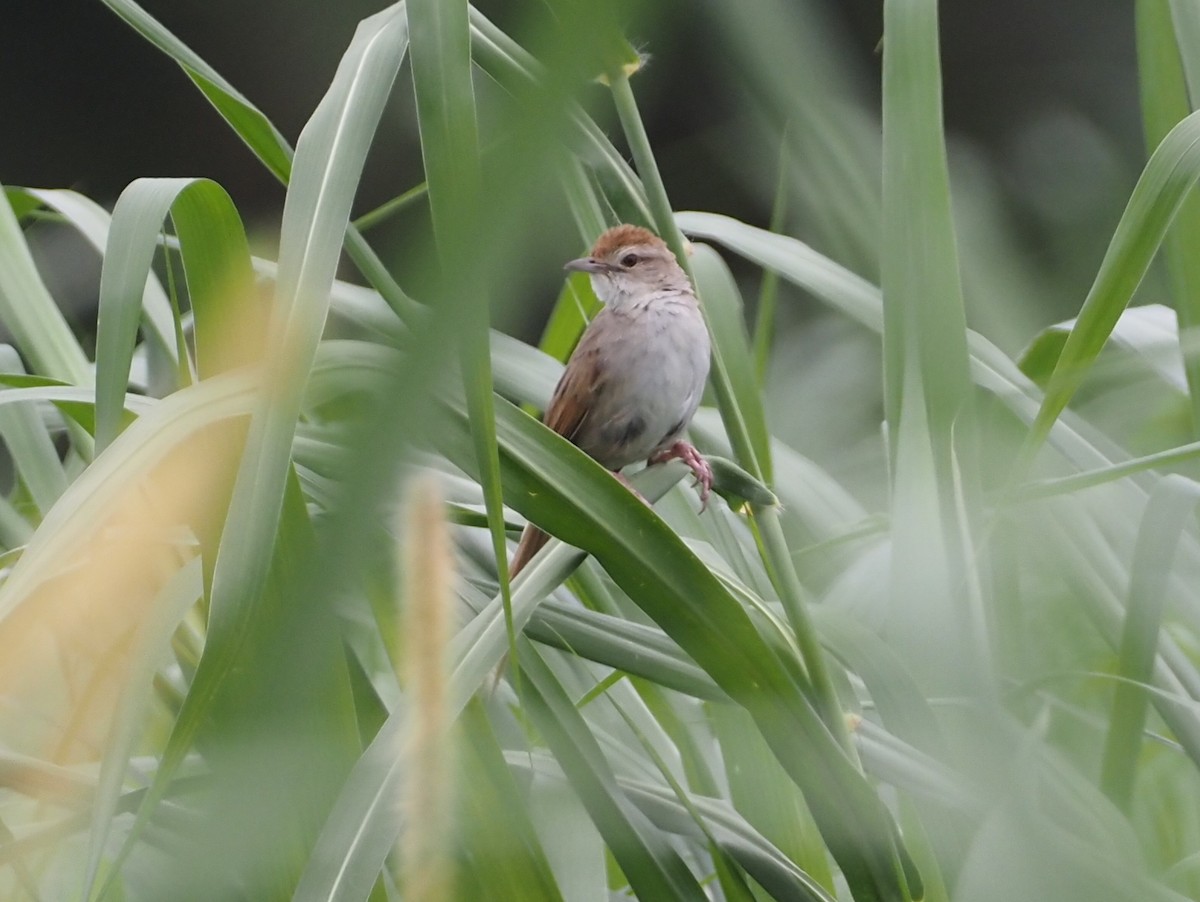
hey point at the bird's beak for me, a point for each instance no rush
(586, 264)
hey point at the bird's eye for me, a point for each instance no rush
(629, 260)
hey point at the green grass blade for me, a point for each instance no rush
(1170, 174)
(755, 789)
(216, 261)
(509, 864)
(507, 62)
(445, 96)
(247, 120)
(30, 445)
(1170, 510)
(860, 301)
(180, 593)
(161, 427)
(927, 380)
(227, 313)
(1164, 95)
(92, 221)
(329, 160)
(28, 311)
(328, 164)
(924, 323)
(1186, 19)
(573, 310)
(726, 315)
(646, 857)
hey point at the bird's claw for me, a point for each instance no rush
(701, 470)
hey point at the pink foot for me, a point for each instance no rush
(686, 452)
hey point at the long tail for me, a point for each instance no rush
(532, 540)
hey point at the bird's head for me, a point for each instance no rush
(628, 263)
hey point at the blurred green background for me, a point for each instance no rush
(962, 645)
(1040, 101)
(1041, 118)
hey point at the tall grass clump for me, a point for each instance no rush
(258, 638)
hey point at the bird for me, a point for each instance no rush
(634, 380)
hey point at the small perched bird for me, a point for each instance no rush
(635, 379)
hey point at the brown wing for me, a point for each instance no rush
(584, 376)
(568, 409)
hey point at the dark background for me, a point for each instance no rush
(1044, 94)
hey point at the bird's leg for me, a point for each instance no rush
(700, 468)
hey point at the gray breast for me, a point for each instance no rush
(654, 379)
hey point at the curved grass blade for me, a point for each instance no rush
(328, 164)
(28, 311)
(247, 120)
(927, 381)
(261, 136)
(1164, 96)
(773, 547)
(1158, 195)
(441, 64)
(92, 221)
(861, 301)
(30, 445)
(506, 61)
(1171, 508)
(217, 264)
(726, 314)
(654, 869)
(160, 427)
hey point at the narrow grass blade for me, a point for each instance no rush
(247, 120)
(92, 221)
(328, 164)
(1185, 16)
(160, 428)
(1170, 174)
(28, 311)
(1170, 510)
(30, 445)
(216, 262)
(927, 380)
(445, 96)
(779, 814)
(510, 865)
(507, 62)
(1164, 96)
(646, 857)
(924, 323)
(154, 635)
(726, 314)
